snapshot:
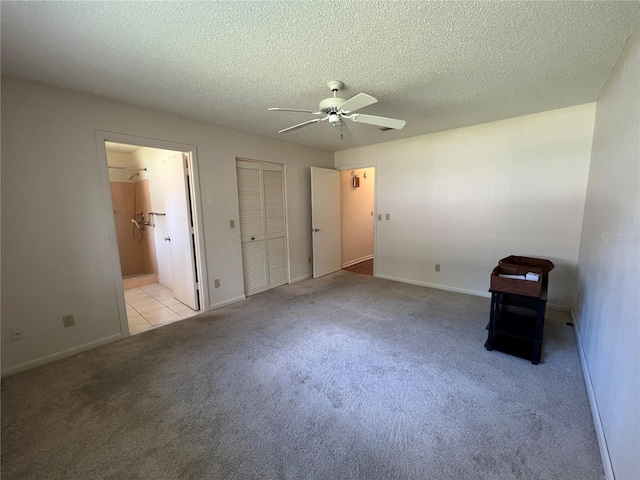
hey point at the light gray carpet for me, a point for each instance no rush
(346, 376)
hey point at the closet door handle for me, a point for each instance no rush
(167, 239)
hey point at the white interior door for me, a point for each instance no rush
(180, 230)
(254, 267)
(325, 220)
(275, 224)
(262, 225)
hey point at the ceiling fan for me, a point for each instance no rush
(336, 110)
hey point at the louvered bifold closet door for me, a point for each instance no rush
(273, 181)
(262, 225)
(252, 227)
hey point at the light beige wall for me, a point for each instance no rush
(607, 317)
(56, 252)
(357, 208)
(466, 198)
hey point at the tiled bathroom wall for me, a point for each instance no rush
(136, 258)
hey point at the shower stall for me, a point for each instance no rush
(133, 216)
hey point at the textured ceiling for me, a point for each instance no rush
(437, 65)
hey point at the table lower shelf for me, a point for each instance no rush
(516, 346)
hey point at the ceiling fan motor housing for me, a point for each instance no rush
(330, 105)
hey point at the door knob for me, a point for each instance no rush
(315, 229)
(167, 239)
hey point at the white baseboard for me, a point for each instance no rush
(595, 412)
(57, 356)
(436, 286)
(301, 279)
(558, 307)
(353, 262)
(227, 302)
(487, 294)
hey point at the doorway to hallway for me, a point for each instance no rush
(343, 219)
(357, 219)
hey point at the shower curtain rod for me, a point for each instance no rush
(129, 168)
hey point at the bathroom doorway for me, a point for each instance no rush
(155, 218)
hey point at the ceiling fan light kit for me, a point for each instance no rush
(336, 110)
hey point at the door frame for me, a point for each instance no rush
(103, 136)
(375, 206)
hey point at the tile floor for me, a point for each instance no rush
(151, 306)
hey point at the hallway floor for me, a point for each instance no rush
(365, 268)
(151, 306)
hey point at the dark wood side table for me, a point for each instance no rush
(516, 324)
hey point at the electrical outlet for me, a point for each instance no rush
(388, 215)
(309, 259)
(437, 267)
(379, 216)
(68, 321)
(16, 334)
(216, 283)
(232, 224)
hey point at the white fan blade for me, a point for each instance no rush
(379, 121)
(292, 110)
(300, 125)
(361, 100)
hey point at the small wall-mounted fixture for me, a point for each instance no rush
(355, 180)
